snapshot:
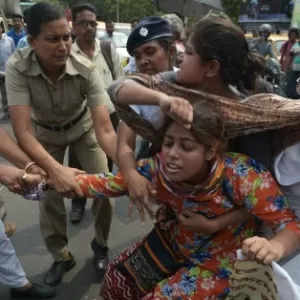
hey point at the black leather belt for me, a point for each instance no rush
(65, 127)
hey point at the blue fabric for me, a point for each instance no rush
(131, 67)
(16, 37)
(7, 48)
(23, 42)
(11, 271)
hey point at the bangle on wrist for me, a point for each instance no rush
(29, 165)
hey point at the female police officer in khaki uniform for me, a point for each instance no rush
(55, 99)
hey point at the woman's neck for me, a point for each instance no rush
(202, 175)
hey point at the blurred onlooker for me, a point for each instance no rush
(262, 44)
(131, 66)
(255, 33)
(107, 62)
(177, 27)
(23, 42)
(17, 32)
(294, 34)
(7, 48)
(293, 73)
(109, 28)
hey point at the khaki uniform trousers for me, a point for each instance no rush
(53, 216)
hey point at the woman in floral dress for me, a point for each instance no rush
(200, 185)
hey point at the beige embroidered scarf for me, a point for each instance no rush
(258, 113)
(251, 280)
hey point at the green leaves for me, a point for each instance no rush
(107, 9)
(232, 8)
(128, 9)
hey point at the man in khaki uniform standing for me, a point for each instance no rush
(108, 64)
(67, 99)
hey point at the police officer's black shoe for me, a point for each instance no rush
(78, 209)
(101, 258)
(58, 270)
(35, 291)
(76, 214)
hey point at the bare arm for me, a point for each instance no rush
(130, 92)
(97, 99)
(11, 151)
(21, 122)
(286, 240)
(105, 133)
(125, 150)
(138, 186)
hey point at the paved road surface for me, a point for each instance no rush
(82, 283)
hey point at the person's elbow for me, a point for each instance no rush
(113, 89)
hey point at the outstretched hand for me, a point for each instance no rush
(63, 181)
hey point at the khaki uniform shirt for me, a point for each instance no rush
(101, 65)
(53, 103)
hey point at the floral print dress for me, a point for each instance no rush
(206, 273)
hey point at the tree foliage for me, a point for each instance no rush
(232, 8)
(128, 9)
(107, 9)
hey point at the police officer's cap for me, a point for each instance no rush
(148, 29)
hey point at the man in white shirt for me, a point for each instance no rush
(108, 64)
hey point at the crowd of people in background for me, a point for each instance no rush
(64, 88)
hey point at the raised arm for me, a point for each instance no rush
(129, 91)
(125, 92)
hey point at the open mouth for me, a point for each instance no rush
(172, 168)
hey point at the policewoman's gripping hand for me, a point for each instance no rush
(62, 179)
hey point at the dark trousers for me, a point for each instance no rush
(74, 163)
(4, 98)
(292, 78)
